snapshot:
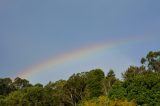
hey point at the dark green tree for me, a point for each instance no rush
(38, 85)
(118, 91)
(138, 85)
(6, 86)
(75, 87)
(57, 91)
(21, 83)
(133, 71)
(109, 81)
(30, 96)
(95, 83)
(152, 60)
(3, 100)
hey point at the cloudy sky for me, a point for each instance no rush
(48, 40)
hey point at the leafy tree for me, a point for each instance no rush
(15, 99)
(75, 87)
(94, 83)
(21, 83)
(31, 96)
(133, 71)
(152, 60)
(36, 96)
(6, 86)
(109, 81)
(105, 101)
(3, 101)
(138, 85)
(56, 90)
(38, 85)
(118, 91)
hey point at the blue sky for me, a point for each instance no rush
(33, 31)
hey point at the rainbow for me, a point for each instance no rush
(74, 55)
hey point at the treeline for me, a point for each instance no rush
(140, 86)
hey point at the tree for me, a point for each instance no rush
(38, 85)
(3, 101)
(94, 83)
(21, 83)
(31, 96)
(15, 99)
(118, 91)
(57, 91)
(109, 81)
(105, 101)
(133, 71)
(152, 60)
(6, 86)
(141, 87)
(75, 87)
(35, 96)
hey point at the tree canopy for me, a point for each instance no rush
(140, 85)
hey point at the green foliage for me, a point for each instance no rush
(38, 85)
(109, 81)
(15, 99)
(21, 83)
(118, 91)
(75, 87)
(140, 83)
(143, 87)
(140, 86)
(133, 71)
(95, 80)
(6, 86)
(152, 60)
(105, 101)
(56, 90)
(2, 101)
(31, 96)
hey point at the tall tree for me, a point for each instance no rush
(133, 71)
(6, 86)
(95, 83)
(152, 60)
(57, 91)
(75, 87)
(31, 96)
(21, 83)
(109, 81)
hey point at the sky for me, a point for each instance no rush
(60, 37)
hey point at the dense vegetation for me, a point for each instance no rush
(140, 86)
